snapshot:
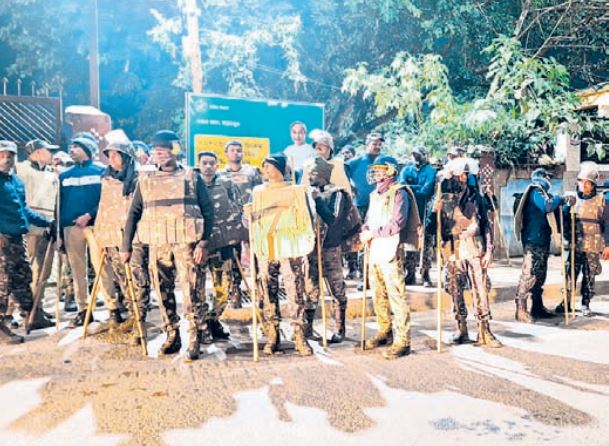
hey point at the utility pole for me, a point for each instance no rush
(94, 58)
(191, 45)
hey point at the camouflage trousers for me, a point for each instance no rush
(293, 281)
(15, 273)
(171, 262)
(388, 287)
(222, 278)
(141, 280)
(66, 279)
(333, 272)
(589, 265)
(411, 258)
(456, 276)
(36, 251)
(533, 274)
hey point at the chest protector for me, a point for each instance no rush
(519, 215)
(380, 213)
(282, 224)
(40, 191)
(245, 179)
(464, 239)
(112, 213)
(588, 217)
(171, 212)
(228, 228)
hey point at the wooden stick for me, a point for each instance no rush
(322, 294)
(439, 267)
(39, 291)
(573, 284)
(94, 292)
(59, 278)
(564, 272)
(136, 308)
(364, 292)
(253, 294)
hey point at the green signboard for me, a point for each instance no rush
(262, 126)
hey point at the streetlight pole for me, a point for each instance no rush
(94, 58)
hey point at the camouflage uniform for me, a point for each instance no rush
(15, 274)
(534, 273)
(141, 280)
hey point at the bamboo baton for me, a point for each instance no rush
(254, 297)
(136, 308)
(59, 255)
(564, 271)
(39, 292)
(247, 286)
(573, 284)
(322, 294)
(94, 292)
(439, 267)
(498, 224)
(366, 266)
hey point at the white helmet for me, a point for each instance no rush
(588, 170)
(455, 168)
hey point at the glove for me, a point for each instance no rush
(569, 200)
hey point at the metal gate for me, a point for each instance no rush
(23, 118)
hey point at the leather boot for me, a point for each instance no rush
(339, 319)
(216, 329)
(538, 311)
(116, 319)
(6, 335)
(308, 325)
(381, 338)
(40, 321)
(560, 309)
(172, 344)
(461, 336)
(79, 320)
(272, 339)
(300, 342)
(522, 315)
(426, 279)
(135, 338)
(194, 345)
(486, 337)
(396, 350)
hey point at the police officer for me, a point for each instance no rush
(420, 176)
(41, 185)
(15, 271)
(226, 235)
(591, 235)
(392, 219)
(467, 248)
(172, 213)
(535, 225)
(282, 234)
(118, 186)
(332, 205)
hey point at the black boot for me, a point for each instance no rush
(461, 336)
(6, 335)
(339, 319)
(522, 315)
(40, 321)
(560, 309)
(172, 344)
(69, 305)
(79, 320)
(115, 319)
(216, 330)
(308, 325)
(194, 345)
(538, 311)
(411, 278)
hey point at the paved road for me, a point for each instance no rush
(548, 385)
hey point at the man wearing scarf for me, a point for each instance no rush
(591, 235)
(535, 225)
(332, 205)
(467, 248)
(118, 185)
(392, 219)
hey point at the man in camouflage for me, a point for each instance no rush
(226, 235)
(535, 225)
(172, 213)
(15, 271)
(467, 248)
(392, 219)
(591, 236)
(245, 177)
(118, 186)
(332, 205)
(41, 186)
(282, 234)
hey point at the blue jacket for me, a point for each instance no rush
(536, 230)
(16, 216)
(421, 181)
(358, 170)
(79, 192)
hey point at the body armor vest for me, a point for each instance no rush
(171, 212)
(245, 179)
(282, 224)
(112, 213)
(40, 191)
(588, 217)
(462, 237)
(551, 217)
(228, 228)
